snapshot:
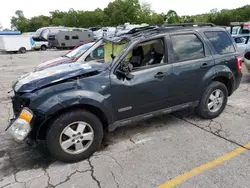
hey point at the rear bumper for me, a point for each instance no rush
(237, 76)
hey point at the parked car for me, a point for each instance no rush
(69, 57)
(247, 60)
(243, 44)
(69, 39)
(145, 73)
(239, 28)
(15, 43)
(40, 45)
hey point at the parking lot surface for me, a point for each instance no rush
(179, 149)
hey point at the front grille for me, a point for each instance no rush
(18, 103)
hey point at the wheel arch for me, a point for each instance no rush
(44, 45)
(226, 81)
(42, 129)
(221, 74)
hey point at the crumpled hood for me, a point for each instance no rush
(53, 62)
(38, 79)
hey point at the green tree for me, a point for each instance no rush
(38, 22)
(122, 11)
(57, 18)
(19, 22)
(172, 17)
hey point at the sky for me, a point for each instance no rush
(43, 7)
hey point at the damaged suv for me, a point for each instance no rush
(147, 72)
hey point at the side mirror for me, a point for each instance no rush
(125, 70)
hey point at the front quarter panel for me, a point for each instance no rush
(93, 90)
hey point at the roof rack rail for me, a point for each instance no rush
(188, 25)
(141, 29)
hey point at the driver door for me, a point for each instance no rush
(145, 92)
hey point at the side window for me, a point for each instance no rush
(146, 54)
(75, 37)
(66, 37)
(97, 54)
(220, 41)
(187, 47)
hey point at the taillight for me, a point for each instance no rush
(239, 63)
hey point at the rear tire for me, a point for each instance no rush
(22, 50)
(64, 130)
(213, 101)
(43, 47)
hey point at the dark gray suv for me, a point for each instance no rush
(146, 72)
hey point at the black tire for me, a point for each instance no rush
(202, 109)
(22, 50)
(61, 122)
(43, 47)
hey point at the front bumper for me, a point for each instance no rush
(20, 127)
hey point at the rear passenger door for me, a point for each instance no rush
(191, 60)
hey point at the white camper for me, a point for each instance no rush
(15, 43)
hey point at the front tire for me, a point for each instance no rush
(74, 136)
(213, 101)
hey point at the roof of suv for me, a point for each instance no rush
(153, 30)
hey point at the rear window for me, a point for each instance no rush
(220, 41)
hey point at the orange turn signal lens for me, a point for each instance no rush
(26, 115)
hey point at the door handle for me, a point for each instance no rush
(159, 75)
(204, 66)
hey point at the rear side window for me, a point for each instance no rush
(187, 47)
(220, 41)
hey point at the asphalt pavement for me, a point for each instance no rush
(180, 149)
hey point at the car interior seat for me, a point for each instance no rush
(156, 54)
(137, 56)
